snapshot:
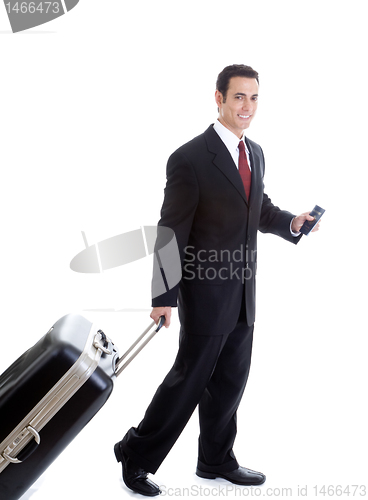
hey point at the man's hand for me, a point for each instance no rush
(161, 311)
(299, 221)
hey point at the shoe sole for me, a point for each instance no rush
(206, 475)
(211, 475)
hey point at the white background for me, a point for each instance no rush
(92, 104)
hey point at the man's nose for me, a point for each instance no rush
(247, 106)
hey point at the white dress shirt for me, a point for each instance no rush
(231, 141)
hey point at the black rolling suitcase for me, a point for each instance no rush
(51, 392)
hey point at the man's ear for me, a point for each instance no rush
(218, 98)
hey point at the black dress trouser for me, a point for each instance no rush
(211, 371)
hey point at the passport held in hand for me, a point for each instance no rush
(308, 225)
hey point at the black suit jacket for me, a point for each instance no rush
(216, 231)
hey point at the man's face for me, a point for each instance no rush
(240, 104)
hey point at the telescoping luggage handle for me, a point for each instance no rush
(29, 435)
(119, 367)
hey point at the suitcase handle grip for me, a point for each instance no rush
(141, 337)
(161, 323)
(28, 450)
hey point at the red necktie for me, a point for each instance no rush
(244, 169)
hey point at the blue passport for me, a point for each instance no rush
(308, 225)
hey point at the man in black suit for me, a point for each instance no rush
(215, 204)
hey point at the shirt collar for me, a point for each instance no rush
(230, 140)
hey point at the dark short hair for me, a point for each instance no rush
(223, 80)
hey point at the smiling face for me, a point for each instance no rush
(238, 107)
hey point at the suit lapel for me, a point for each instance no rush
(223, 160)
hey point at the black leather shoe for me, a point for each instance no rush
(134, 476)
(242, 476)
